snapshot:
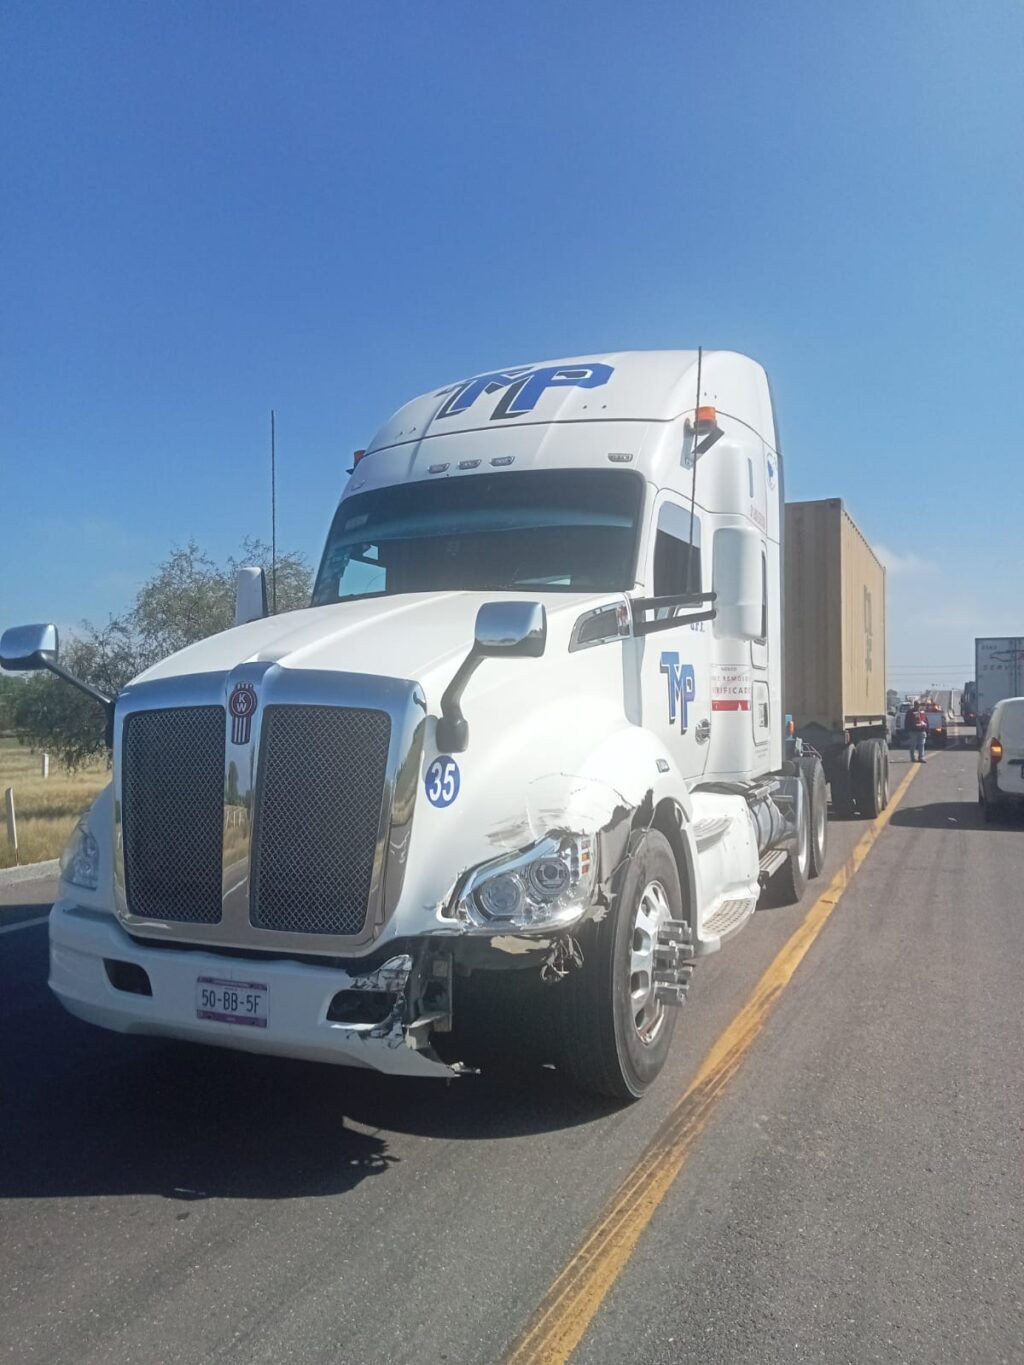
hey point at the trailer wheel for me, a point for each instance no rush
(817, 794)
(841, 781)
(615, 1032)
(790, 882)
(868, 778)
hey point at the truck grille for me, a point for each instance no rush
(319, 795)
(173, 813)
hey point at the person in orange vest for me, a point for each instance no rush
(917, 731)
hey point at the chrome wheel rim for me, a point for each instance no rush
(645, 1009)
(803, 846)
(819, 825)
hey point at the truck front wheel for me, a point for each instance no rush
(790, 882)
(817, 795)
(615, 1030)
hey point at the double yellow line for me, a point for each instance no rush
(567, 1309)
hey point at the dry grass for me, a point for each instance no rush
(46, 808)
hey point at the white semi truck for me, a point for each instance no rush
(528, 742)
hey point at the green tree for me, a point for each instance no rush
(189, 598)
(10, 690)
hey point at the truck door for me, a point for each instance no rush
(674, 668)
(760, 705)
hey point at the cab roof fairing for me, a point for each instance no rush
(624, 386)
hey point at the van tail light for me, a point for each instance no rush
(995, 750)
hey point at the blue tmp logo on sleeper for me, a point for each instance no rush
(523, 386)
(682, 687)
(442, 781)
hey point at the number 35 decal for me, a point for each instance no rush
(442, 781)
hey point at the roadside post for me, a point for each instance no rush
(12, 826)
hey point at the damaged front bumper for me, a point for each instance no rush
(102, 975)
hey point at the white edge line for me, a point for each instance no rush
(24, 924)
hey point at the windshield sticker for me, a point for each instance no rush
(682, 688)
(523, 387)
(442, 781)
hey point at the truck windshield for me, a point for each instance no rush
(559, 530)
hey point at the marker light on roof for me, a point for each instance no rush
(357, 455)
(437, 469)
(469, 464)
(500, 461)
(706, 418)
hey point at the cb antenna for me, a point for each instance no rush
(693, 559)
(273, 515)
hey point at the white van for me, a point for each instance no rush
(1001, 759)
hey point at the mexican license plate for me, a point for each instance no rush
(233, 1002)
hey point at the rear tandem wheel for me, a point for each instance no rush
(870, 785)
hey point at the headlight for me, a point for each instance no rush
(550, 884)
(80, 861)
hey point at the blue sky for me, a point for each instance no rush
(212, 209)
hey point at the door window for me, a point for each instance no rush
(676, 552)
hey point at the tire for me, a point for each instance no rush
(609, 1046)
(990, 809)
(817, 792)
(841, 781)
(868, 790)
(790, 882)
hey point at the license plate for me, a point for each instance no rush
(233, 1002)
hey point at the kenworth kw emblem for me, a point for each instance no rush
(242, 706)
(523, 387)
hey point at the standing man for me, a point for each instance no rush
(917, 730)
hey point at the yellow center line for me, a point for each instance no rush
(567, 1309)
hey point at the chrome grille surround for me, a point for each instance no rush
(318, 809)
(403, 703)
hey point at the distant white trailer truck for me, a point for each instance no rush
(998, 673)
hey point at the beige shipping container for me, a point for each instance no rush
(834, 623)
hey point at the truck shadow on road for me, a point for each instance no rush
(950, 815)
(92, 1114)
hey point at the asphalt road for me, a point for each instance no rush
(858, 1194)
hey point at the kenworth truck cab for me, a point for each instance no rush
(527, 740)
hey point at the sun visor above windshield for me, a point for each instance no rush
(555, 445)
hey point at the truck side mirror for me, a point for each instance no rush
(250, 595)
(515, 630)
(509, 630)
(23, 649)
(738, 570)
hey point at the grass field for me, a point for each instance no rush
(47, 809)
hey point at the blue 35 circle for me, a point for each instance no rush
(442, 781)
